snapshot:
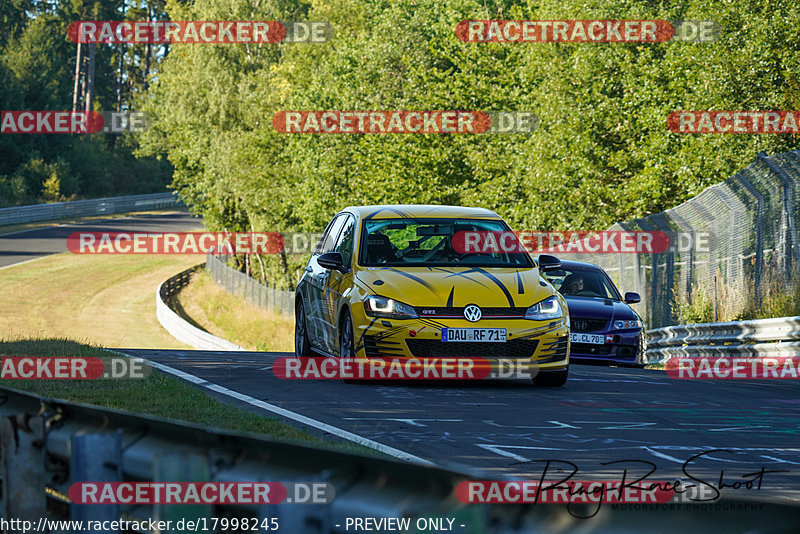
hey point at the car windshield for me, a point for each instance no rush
(583, 282)
(434, 242)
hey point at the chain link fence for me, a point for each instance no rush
(246, 287)
(729, 241)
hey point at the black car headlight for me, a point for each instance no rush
(387, 308)
(549, 308)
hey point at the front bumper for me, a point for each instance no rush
(543, 344)
(620, 347)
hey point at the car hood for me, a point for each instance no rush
(456, 286)
(599, 308)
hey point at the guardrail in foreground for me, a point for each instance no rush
(176, 325)
(48, 445)
(86, 208)
(756, 338)
(51, 444)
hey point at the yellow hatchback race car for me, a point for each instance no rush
(399, 282)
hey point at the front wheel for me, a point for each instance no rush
(347, 349)
(302, 344)
(553, 379)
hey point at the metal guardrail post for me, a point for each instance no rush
(96, 458)
(24, 474)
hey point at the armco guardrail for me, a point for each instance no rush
(176, 325)
(756, 338)
(87, 208)
(236, 282)
(52, 444)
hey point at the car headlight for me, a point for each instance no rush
(627, 325)
(376, 306)
(549, 308)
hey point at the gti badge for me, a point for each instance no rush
(472, 313)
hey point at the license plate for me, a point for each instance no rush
(594, 339)
(477, 335)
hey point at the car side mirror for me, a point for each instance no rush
(632, 298)
(548, 263)
(332, 261)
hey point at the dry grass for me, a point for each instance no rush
(227, 316)
(777, 297)
(102, 300)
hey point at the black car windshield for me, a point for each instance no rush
(435, 242)
(582, 282)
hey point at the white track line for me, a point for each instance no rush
(24, 262)
(355, 438)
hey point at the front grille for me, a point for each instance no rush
(578, 324)
(458, 313)
(381, 348)
(432, 348)
(591, 349)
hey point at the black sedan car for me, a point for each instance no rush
(604, 328)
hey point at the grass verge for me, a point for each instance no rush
(157, 394)
(215, 310)
(103, 300)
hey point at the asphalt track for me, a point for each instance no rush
(509, 428)
(26, 245)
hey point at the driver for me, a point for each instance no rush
(573, 284)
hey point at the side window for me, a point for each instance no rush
(329, 237)
(344, 244)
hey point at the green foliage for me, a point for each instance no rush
(602, 154)
(37, 64)
(700, 310)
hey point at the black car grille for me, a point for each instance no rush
(458, 313)
(432, 348)
(578, 324)
(381, 348)
(591, 349)
(554, 351)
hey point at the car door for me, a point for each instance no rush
(318, 314)
(337, 284)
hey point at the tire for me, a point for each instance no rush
(346, 342)
(551, 379)
(302, 343)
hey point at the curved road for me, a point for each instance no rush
(508, 428)
(26, 245)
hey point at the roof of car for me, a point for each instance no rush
(572, 263)
(404, 211)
